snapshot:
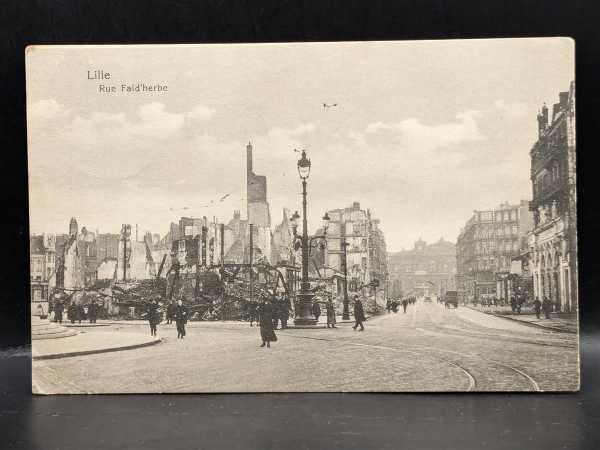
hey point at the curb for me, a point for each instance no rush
(93, 352)
(536, 325)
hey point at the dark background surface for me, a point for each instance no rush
(307, 421)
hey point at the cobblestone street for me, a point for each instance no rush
(429, 348)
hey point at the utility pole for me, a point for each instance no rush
(222, 244)
(346, 311)
(204, 232)
(198, 251)
(251, 261)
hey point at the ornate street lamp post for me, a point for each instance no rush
(304, 314)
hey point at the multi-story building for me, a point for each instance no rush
(42, 260)
(365, 255)
(486, 246)
(553, 240)
(423, 270)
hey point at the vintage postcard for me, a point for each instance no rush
(306, 217)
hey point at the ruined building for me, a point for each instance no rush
(256, 187)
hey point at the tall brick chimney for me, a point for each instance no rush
(249, 158)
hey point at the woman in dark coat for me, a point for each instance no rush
(267, 333)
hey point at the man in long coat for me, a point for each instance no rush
(359, 314)
(547, 307)
(171, 311)
(284, 312)
(153, 316)
(58, 312)
(404, 304)
(181, 316)
(316, 310)
(330, 313)
(537, 306)
(80, 312)
(93, 311)
(72, 312)
(267, 333)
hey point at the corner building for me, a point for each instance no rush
(553, 240)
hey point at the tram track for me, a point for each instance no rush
(472, 382)
(453, 358)
(530, 380)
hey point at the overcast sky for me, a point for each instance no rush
(423, 134)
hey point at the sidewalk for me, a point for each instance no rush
(561, 322)
(196, 323)
(89, 343)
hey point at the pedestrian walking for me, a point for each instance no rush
(153, 316)
(284, 312)
(537, 306)
(547, 307)
(395, 306)
(252, 312)
(359, 314)
(267, 333)
(58, 312)
(93, 312)
(72, 312)
(181, 316)
(316, 310)
(330, 313)
(388, 306)
(171, 312)
(80, 312)
(404, 304)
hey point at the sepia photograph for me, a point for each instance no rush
(373, 216)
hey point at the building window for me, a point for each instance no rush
(349, 228)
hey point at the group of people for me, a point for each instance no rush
(267, 314)
(280, 311)
(176, 312)
(76, 312)
(545, 305)
(267, 320)
(517, 302)
(329, 310)
(392, 304)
